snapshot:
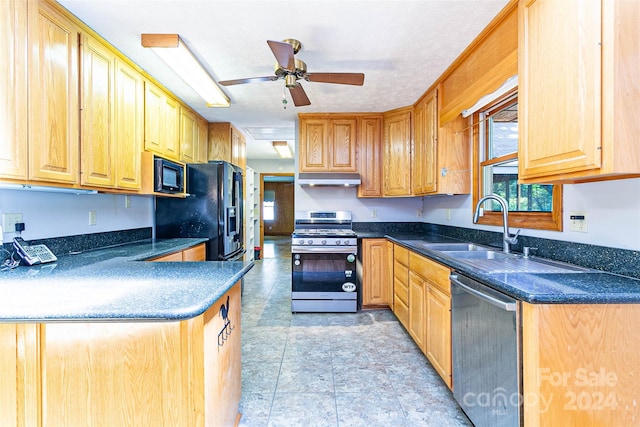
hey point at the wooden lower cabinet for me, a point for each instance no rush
(195, 253)
(376, 272)
(581, 364)
(430, 312)
(124, 373)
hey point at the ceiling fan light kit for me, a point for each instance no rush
(292, 69)
(172, 50)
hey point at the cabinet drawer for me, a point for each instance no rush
(436, 273)
(401, 310)
(401, 291)
(401, 255)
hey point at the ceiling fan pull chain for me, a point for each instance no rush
(284, 97)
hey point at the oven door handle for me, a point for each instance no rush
(323, 249)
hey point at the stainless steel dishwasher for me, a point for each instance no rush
(486, 353)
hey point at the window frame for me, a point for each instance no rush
(551, 221)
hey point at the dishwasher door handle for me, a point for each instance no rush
(505, 305)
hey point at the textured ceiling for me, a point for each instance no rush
(402, 46)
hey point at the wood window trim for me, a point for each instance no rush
(551, 221)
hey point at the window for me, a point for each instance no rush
(269, 206)
(530, 205)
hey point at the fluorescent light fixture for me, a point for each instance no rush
(177, 55)
(282, 147)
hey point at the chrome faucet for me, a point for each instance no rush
(507, 239)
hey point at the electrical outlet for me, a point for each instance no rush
(419, 213)
(374, 213)
(448, 214)
(9, 221)
(93, 218)
(578, 222)
(127, 201)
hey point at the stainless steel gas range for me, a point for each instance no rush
(324, 249)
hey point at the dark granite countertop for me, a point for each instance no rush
(116, 284)
(584, 287)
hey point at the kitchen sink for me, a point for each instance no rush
(457, 247)
(499, 262)
(448, 246)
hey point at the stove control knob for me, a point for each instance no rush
(301, 241)
(296, 262)
(346, 242)
(324, 242)
(310, 242)
(338, 242)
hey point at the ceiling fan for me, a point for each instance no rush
(291, 70)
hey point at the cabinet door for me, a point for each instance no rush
(153, 117)
(171, 128)
(424, 163)
(196, 253)
(397, 154)
(98, 143)
(376, 272)
(129, 125)
(342, 149)
(314, 150)
(188, 136)
(560, 87)
(220, 141)
(238, 148)
(13, 89)
(418, 309)
(203, 143)
(53, 96)
(369, 149)
(438, 335)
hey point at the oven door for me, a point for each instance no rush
(330, 271)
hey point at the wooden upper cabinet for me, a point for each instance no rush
(53, 96)
(397, 152)
(129, 125)
(327, 143)
(369, 151)
(425, 134)
(578, 99)
(13, 90)
(97, 116)
(112, 119)
(227, 143)
(162, 125)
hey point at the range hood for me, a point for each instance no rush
(329, 179)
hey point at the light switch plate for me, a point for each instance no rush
(578, 225)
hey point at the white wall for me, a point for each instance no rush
(612, 207)
(49, 215)
(272, 166)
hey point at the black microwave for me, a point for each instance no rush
(168, 176)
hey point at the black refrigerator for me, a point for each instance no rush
(212, 209)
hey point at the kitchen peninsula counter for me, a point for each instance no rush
(106, 338)
(116, 284)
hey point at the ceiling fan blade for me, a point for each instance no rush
(248, 80)
(283, 53)
(356, 79)
(299, 96)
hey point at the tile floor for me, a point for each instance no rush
(327, 369)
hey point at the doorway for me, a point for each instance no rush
(277, 209)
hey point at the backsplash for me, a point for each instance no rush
(85, 242)
(613, 260)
